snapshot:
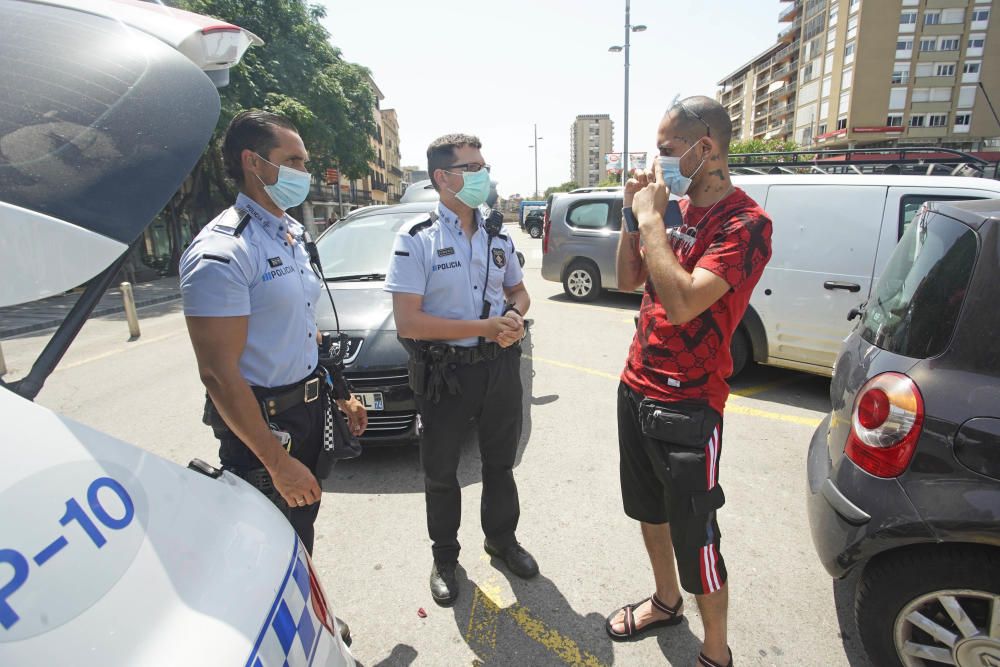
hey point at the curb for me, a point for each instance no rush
(98, 312)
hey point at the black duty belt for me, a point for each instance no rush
(306, 391)
(456, 354)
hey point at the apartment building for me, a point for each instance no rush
(853, 73)
(591, 138)
(390, 145)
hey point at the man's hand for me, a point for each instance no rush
(357, 416)
(294, 482)
(495, 326)
(511, 337)
(650, 202)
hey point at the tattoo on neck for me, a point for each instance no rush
(718, 173)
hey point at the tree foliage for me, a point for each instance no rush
(298, 73)
(565, 187)
(762, 146)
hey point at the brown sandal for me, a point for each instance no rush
(631, 631)
(706, 662)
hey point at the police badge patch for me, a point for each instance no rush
(499, 257)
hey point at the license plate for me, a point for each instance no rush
(371, 400)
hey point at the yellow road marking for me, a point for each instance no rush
(767, 386)
(565, 648)
(110, 353)
(481, 635)
(732, 406)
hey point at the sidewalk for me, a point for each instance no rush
(49, 313)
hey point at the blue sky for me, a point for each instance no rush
(495, 69)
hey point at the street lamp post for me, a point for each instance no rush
(534, 146)
(629, 29)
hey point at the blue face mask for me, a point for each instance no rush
(291, 188)
(670, 167)
(475, 188)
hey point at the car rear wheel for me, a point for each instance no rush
(535, 231)
(739, 349)
(582, 281)
(937, 605)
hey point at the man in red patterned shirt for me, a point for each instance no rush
(699, 259)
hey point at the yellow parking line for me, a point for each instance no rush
(736, 396)
(565, 648)
(767, 386)
(111, 353)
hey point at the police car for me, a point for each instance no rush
(110, 555)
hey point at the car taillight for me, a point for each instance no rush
(885, 425)
(318, 600)
(546, 225)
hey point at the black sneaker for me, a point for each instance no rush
(518, 561)
(444, 585)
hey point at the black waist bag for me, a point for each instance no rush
(685, 424)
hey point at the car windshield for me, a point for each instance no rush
(915, 304)
(360, 248)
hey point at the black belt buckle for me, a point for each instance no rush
(312, 390)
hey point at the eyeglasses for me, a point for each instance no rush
(470, 166)
(708, 129)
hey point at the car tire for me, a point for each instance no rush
(739, 349)
(582, 281)
(535, 231)
(895, 588)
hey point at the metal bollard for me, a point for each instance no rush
(3, 364)
(133, 318)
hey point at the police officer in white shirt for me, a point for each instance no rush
(249, 298)
(459, 303)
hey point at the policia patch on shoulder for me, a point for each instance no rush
(499, 257)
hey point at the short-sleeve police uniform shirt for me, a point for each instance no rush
(449, 270)
(257, 273)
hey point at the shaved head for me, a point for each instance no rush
(699, 116)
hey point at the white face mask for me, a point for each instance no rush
(670, 168)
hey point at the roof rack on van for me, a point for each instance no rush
(925, 160)
(613, 188)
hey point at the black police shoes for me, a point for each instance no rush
(444, 585)
(518, 561)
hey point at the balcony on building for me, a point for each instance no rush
(791, 12)
(786, 53)
(319, 192)
(791, 32)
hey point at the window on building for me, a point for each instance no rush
(945, 70)
(974, 47)
(903, 46)
(827, 83)
(932, 18)
(852, 27)
(948, 44)
(897, 98)
(971, 67)
(807, 73)
(921, 95)
(928, 44)
(821, 130)
(847, 78)
(854, 6)
(901, 73)
(849, 53)
(917, 120)
(925, 69)
(963, 119)
(955, 15)
(980, 15)
(842, 123)
(894, 120)
(966, 97)
(937, 120)
(940, 94)
(907, 18)
(834, 11)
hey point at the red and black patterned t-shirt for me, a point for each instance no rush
(692, 361)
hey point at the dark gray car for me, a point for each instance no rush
(904, 474)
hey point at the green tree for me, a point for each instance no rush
(298, 73)
(565, 187)
(762, 146)
(611, 181)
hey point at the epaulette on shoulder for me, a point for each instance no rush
(423, 224)
(236, 231)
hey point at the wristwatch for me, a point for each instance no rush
(510, 307)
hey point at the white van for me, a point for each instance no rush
(832, 235)
(110, 555)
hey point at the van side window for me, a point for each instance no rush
(910, 204)
(589, 215)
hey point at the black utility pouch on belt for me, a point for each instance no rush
(685, 424)
(685, 428)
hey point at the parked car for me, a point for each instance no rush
(111, 555)
(832, 237)
(533, 223)
(355, 256)
(904, 473)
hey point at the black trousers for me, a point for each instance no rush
(305, 424)
(489, 402)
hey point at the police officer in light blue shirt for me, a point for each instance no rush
(459, 303)
(249, 299)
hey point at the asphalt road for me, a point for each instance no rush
(372, 549)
